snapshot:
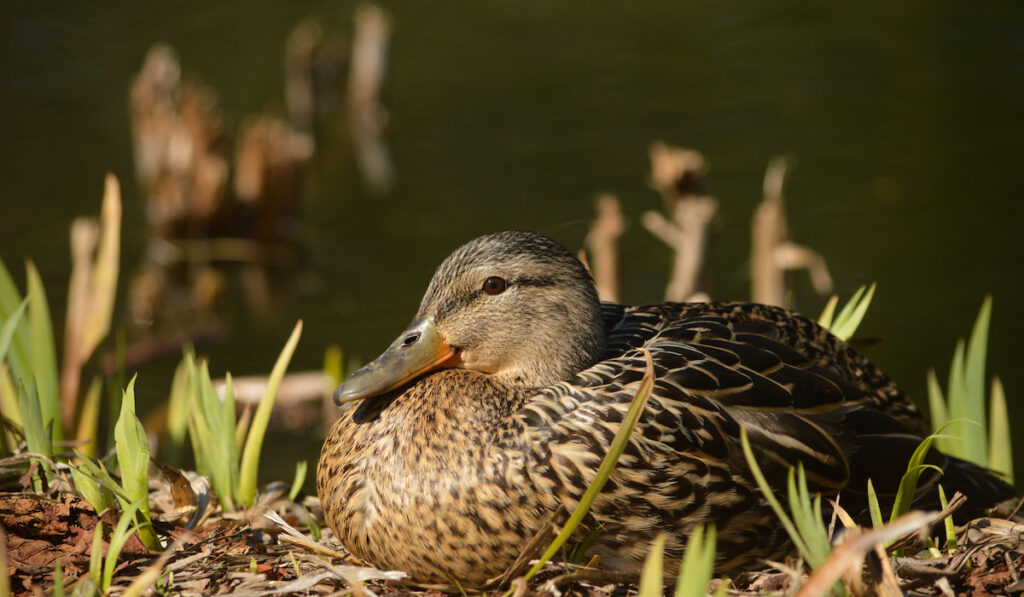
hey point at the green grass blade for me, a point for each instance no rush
(949, 525)
(89, 419)
(10, 326)
(849, 318)
(611, 459)
(91, 490)
(214, 442)
(10, 298)
(258, 428)
(132, 448)
(96, 557)
(230, 431)
(873, 507)
(828, 313)
(769, 496)
(58, 579)
(36, 437)
(847, 311)
(10, 400)
(178, 412)
(577, 553)
(908, 484)
(117, 540)
(939, 412)
(957, 397)
(198, 430)
(99, 473)
(698, 563)
(300, 478)
(974, 383)
(807, 518)
(43, 355)
(1000, 441)
(652, 577)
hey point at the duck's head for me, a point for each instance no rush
(515, 305)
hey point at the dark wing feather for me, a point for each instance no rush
(796, 389)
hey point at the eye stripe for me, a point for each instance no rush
(542, 281)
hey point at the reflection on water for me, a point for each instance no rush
(903, 121)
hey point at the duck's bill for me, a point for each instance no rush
(418, 350)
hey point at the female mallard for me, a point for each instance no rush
(498, 402)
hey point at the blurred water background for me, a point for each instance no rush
(905, 121)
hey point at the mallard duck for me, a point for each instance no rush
(495, 406)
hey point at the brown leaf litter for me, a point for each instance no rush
(260, 552)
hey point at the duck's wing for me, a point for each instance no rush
(802, 395)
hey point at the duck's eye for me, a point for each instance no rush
(495, 285)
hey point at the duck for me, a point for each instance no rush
(488, 416)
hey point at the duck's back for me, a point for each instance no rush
(802, 394)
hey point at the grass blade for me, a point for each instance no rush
(178, 412)
(98, 473)
(847, 311)
(258, 429)
(769, 496)
(212, 438)
(1000, 441)
(652, 579)
(300, 478)
(698, 564)
(91, 490)
(58, 580)
(957, 398)
(939, 413)
(10, 298)
(117, 540)
(96, 557)
(9, 398)
(807, 517)
(132, 448)
(43, 355)
(908, 484)
(873, 507)
(849, 318)
(828, 313)
(89, 419)
(974, 383)
(608, 464)
(948, 522)
(10, 326)
(38, 440)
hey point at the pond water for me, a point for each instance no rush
(905, 120)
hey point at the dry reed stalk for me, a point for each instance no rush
(367, 114)
(772, 253)
(602, 242)
(678, 174)
(95, 261)
(300, 53)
